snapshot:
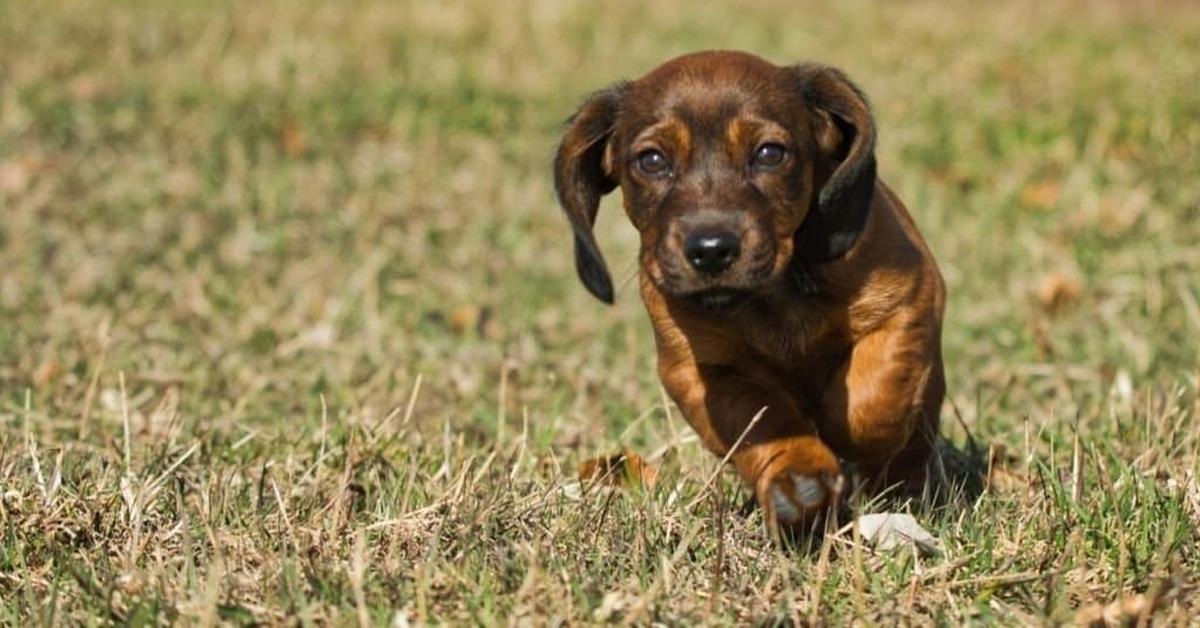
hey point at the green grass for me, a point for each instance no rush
(289, 326)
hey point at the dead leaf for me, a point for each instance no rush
(1000, 476)
(1126, 611)
(47, 372)
(291, 136)
(1057, 290)
(625, 469)
(891, 530)
(479, 319)
(465, 317)
(1041, 194)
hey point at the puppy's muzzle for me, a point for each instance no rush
(712, 252)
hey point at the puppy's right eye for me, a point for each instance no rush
(653, 162)
(769, 155)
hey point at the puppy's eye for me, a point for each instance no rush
(768, 155)
(653, 162)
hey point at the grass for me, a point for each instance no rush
(289, 328)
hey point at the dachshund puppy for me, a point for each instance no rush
(784, 280)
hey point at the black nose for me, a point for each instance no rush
(712, 252)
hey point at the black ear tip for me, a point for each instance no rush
(592, 270)
(603, 292)
(596, 279)
(599, 284)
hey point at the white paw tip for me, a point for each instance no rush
(785, 510)
(808, 491)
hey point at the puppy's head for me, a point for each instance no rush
(730, 167)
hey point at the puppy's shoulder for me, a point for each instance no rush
(891, 272)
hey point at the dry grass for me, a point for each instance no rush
(289, 328)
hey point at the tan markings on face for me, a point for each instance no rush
(683, 141)
(735, 137)
(783, 251)
(711, 149)
(670, 136)
(786, 223)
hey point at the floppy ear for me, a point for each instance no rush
(845, 132)
(582, 174)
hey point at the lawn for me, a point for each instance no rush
(290, 330)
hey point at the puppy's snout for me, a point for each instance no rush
(712, 252)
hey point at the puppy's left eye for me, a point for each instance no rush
(768, 155)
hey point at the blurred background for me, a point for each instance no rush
(273, 216)
(259, 203)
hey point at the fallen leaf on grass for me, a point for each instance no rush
(625, 469)
(1042, 194)
(1057, 290)
(292, 138)
(887, 531)
(1000, 474)
(465, 317)
(47, 372)
(480, 319)
(1126, 611)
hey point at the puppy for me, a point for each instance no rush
(797, 312)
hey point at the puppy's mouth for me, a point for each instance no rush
(753, 273)
(718, 299)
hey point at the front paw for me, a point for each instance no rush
(800, 483)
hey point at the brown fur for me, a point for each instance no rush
(831, 315)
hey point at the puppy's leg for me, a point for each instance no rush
(882, 406)
(793, 474)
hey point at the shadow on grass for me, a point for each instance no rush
(957, 475)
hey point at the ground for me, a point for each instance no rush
(289, 326)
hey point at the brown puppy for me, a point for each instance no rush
(778, 271)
